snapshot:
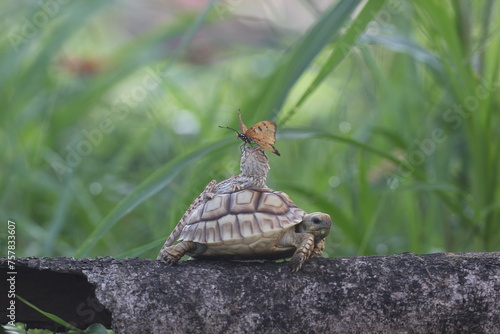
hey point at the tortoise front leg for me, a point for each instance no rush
(173, 254)
(305, 245)
(318, 249)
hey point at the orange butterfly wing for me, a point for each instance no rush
(263, 134)
(243, 128)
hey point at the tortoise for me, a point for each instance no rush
(256, 223)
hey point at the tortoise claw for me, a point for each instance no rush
(170, 262)
(171, 255)
(168, 259)
(295, 268)
(297, 261)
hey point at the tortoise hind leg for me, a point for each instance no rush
(173, 254)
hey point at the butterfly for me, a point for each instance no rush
(263, 134)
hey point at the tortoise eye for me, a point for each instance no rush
(316, 220)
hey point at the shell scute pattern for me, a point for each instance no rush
(273, 203)
(212, 234)
(248, 228)
(228, 229)
(243, 202)
(268, 223)
(200, 233)
(196, 214)
(216, 207)
(245, 218)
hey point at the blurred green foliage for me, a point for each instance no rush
(387, 118)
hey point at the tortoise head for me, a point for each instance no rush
(254, 162)
(317, 224)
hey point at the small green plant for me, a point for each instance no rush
(19, 328)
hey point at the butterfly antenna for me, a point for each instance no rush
(240, 135)
(227, 127)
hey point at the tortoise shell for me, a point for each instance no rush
(243, 224)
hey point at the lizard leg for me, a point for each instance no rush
(206, 194)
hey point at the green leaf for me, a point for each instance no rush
(51, 316)
(97, 329)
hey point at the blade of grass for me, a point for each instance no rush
(51, 316)
(142, 249)
(370, 225)
(400, 43)
(58, 221)
(486, 20)
(275, 91)
(306, 133)
(341, 49)
(188, 37)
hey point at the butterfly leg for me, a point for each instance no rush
(242, 147)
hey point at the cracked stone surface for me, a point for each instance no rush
(434, 293)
